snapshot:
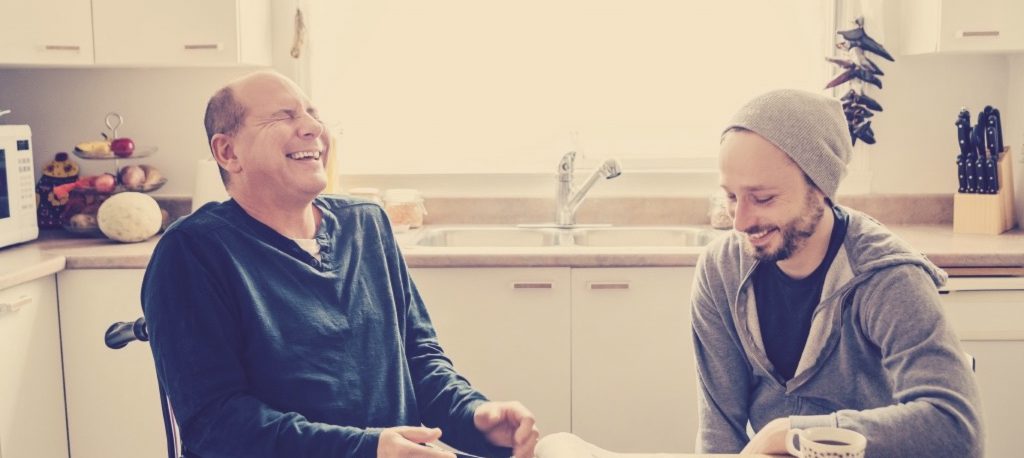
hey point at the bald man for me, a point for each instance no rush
(284, 323)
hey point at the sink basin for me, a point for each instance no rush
(510, 236)
(506, 236)
(672, 236)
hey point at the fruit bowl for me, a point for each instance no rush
(145, 188)
(85, 229)
(139, 153)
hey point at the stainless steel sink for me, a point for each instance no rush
(483, 236)
(672, 236)
(620, 236)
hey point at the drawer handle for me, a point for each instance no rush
(63, 48)
(14, 306)
(594, 285)
(213, 46)
(532, 285)
(978, 33)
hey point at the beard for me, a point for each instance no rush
(794, 232)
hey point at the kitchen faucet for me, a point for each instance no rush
(568, 199)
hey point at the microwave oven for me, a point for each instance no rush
(17, 188)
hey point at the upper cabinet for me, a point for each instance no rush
(937, 26)
(130, 33)
(182, 33)
(46, 32)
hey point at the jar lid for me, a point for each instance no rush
(403, 195)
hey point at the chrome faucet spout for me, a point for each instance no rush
(568, 199)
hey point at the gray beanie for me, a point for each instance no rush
(810, 128)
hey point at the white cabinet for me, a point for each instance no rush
(34, 33)
(931, 26)
(31, 390)
(113, 401)
(616, 342)
(988, 316)
(182, 33)
(507, 331)
(633, 371)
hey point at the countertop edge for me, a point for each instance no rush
(52, 253)
(47, 265)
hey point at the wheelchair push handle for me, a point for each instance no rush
(123, 332)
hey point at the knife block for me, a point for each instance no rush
(990, 214)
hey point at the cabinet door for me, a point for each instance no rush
(184, 32)
(962, 26)
(31, 393)
(990, 323)
(507, 331)
(113, 401)
(634, 378)
(34, 33)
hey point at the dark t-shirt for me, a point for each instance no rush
(785, 306)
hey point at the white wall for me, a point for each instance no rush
(163, 107)
(1013, 128)
(922, 95)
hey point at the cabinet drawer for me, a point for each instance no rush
(985, 308)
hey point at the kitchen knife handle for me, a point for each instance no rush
(990, 139)
(980, 175)
(970, 172)
(993, 176)
(961, 173)
(995, 123)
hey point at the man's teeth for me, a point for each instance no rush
(305, 155)
(758, 235)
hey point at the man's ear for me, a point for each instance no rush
(223, 148)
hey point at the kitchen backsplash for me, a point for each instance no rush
(889, 209)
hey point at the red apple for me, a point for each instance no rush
(122, 147)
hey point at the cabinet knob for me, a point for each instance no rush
(15, 305)
(213, 46)
(977, 33)
(595, 285)
(62, 48)
(532, 285)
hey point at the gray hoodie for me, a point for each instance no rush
(880, 359)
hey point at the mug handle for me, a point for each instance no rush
(790, 435)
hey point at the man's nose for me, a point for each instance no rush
(742, 216)
(310, 126)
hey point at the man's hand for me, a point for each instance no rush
(508, 424)
(407, 441)
(770, 440)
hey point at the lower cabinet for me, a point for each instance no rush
(604, 353)
(113, 401)
(507, 331)
(31, 384)
(988, 316)
(633, 370)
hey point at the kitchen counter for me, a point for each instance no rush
(959, 253)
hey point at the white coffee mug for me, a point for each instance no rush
(824, 442)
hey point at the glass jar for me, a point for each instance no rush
(718, 211)
(405, 208)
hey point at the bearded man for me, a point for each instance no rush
(813, 314)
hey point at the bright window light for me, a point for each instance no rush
(472, 86)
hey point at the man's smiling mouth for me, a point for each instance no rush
(304, 155)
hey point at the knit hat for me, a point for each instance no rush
(810, 128)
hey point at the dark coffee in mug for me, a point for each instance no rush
(831, 442)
